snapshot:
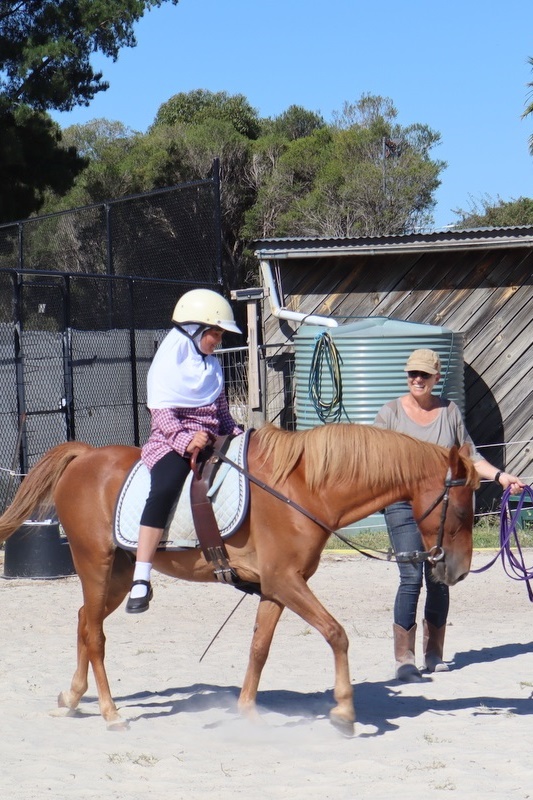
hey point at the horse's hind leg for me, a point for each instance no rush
(100, 600)
(70, 699)
(268, 614)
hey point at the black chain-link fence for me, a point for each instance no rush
(169, 234)
(86, 296)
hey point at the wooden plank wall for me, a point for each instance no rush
(484, 294)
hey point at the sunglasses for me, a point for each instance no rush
(414, 373)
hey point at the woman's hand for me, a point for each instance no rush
(511, 482)
(199, 440)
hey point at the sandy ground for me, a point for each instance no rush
(466, 733)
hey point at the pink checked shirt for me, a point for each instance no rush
(173, 428)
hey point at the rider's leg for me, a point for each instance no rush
(167, 479)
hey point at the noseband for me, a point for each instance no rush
(436, 553)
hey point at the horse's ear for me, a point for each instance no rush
(456, 463)
(465, 450)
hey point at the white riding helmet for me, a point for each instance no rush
(207, 307)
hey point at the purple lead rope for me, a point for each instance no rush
(513, 563)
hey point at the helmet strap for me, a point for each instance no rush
(196, 336)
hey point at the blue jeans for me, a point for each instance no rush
(404, 535)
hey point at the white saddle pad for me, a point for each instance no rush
(229, 495)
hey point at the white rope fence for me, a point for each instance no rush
(13, 474)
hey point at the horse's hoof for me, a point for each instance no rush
(249, 712)
(118, 725)
(344, 726)
(63, 712)
(62, 701)
(408, 673)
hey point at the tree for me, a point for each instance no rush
(122, 164)
(489, 213)
(32, 161)
(282, 173)
(200, 105)
(92, 138)
(106, 146)
(364, 175)
(188, 154)
(46, 46)
(294, 123)
(368, 110)
(45, 52)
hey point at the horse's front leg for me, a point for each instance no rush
(267, 617)
(296, 595)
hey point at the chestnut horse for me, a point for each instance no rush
(338, 473)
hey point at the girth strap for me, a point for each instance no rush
(204, 465)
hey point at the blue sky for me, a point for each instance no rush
(460, 67)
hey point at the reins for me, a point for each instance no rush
(416, 556)
(513, 566)
(435, 554)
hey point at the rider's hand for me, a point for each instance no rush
(199, 440)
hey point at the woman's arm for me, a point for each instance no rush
(486, 470)
(483, 467)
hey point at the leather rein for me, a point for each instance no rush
(433, 555)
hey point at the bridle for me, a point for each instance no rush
(433, 555)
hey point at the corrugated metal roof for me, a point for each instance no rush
(460, 239)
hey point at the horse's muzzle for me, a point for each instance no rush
(444, 572)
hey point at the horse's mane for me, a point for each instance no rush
(340, 453)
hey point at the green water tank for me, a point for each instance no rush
(372, 354)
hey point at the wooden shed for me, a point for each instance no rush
(476, 282)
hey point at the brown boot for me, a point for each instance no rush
(404, 653)
(433, 647)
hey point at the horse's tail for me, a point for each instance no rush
(37, 489)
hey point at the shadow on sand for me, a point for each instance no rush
(379, 704)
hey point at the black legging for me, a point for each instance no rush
(166, 481)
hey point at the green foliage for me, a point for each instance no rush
(366, 112)
(109, 174)
(46, 47)
(45, 63)
(167, 155)
(91, 139)
(496, 213)
(293, 175)
(342, 180)
(294, 123)
(32, 161)
(200, 105)
(486, 534)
